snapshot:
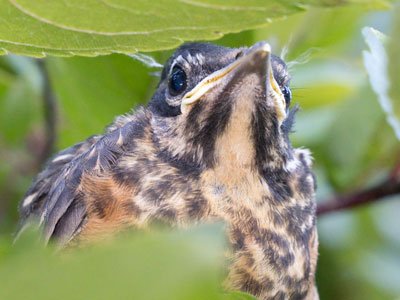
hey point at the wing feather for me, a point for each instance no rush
(55, 196)
(100, 158)
(32, 205)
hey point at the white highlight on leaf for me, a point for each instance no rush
(146, 59)
(376, 61)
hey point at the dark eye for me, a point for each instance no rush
(287, 93)
(177, 81)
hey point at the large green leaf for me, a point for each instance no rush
(95, 27)
(156, 265)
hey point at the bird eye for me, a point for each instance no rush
(177, 81)
(287, 93)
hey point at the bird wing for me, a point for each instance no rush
(54, 197)
(31, 206)
(64, 209)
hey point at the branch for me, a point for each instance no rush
(390, 186)
(50, 114)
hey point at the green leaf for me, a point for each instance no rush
(350, 135)
(376, 63)
(167, 265)
(394, 66)
(321, 94)
(95, 27)
(359, 143)
(324, 37)
(92, 92)
(20, 100)
(293, 34)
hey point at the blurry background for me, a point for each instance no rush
(341, 122)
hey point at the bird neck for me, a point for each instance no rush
(248, 140)
(252, 141)
(271, 220)
(234, 148)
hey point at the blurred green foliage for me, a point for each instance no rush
(341, 121)
(153, 265)
(93, 91)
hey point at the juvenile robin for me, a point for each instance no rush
(212, 144)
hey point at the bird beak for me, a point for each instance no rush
(256, 59)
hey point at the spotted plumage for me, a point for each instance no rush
(212, 144)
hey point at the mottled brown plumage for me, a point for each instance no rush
(211, 145)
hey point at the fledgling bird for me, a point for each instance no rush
(212, 144)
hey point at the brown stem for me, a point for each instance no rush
(390, 186)
(50, 113)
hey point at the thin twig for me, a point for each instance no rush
(390, 186)
(50, 113)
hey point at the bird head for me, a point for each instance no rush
(216, 103)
